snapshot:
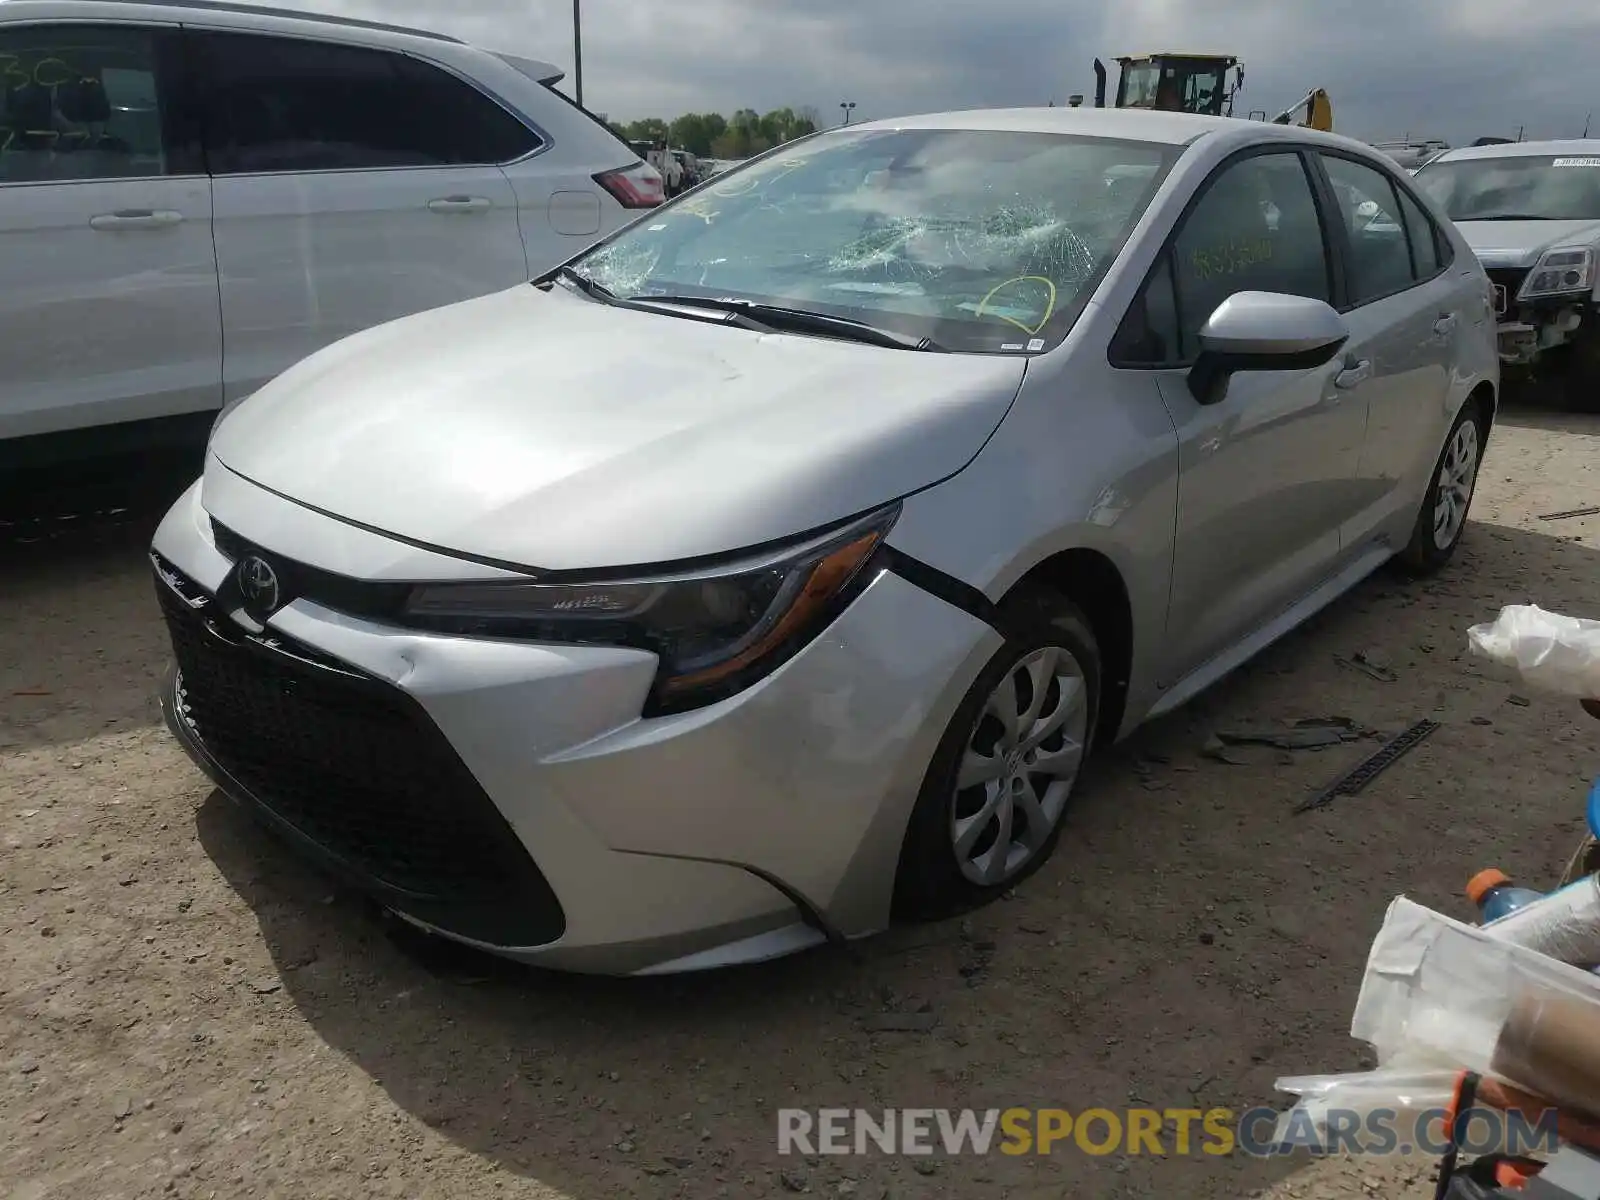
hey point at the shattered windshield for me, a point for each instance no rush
(981, 241)
(1515, 187)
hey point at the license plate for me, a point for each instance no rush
(1499, 298)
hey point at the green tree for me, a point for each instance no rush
(744, 133)
(651, 129)
(696, 132)
(775, 125)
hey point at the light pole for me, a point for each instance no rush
(577, 52)
(847, 105)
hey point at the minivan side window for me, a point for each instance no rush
(1255, 228)
(294, 104)
(80, 102)
(1380, 253)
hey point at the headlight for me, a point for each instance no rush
(1559, 272)
(715, 631)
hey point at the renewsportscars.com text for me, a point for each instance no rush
(1215, 1132)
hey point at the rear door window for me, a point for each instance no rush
(1426, 261)
(85, 102)
(294, 104)
(1380, 252)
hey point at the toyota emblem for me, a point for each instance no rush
(258, 584)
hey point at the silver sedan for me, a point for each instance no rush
(769, 570)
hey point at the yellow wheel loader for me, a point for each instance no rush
(1174, 81)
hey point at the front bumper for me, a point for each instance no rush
(509, 795)
(1526, 329)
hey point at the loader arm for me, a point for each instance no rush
(1313, 112)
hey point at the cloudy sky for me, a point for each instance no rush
(1455, 69)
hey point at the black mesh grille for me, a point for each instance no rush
(359, 772)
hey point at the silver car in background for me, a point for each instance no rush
(1531, 213)
(769, 570)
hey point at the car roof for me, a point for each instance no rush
(1586, 147)
(262, 18)
(244, 14)
(1134, 124)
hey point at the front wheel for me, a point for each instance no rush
(1442, 518)
(992, 803)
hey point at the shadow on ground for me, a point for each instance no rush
(1183, 949)
(81, 645)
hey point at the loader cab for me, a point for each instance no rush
(1192, 83)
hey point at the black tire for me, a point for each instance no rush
(1423, 554)
(930, 883)
(1580, 383)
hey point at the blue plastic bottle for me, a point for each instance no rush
(1495, 895)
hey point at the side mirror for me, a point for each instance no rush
(1263, 331)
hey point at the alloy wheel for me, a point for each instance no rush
(1458, 476)
(1019, 765)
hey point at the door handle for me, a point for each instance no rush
(1354, 374)
(459, 204)
(136, 218)
(1445, 324)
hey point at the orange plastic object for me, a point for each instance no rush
(1480, 884)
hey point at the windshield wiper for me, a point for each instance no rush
(656, 304)
(749, 314)
(776, 317)
(1509, 217)
(586, 285)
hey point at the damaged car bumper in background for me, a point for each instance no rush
(1546, 305)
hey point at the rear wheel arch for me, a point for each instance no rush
(1488, 407)
(1091, 581)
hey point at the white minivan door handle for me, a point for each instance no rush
(136, 218)
(1445, 323)
(459, 204)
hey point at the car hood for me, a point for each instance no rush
(1520, 243)
(550, 431)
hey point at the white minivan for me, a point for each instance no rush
(195, 195)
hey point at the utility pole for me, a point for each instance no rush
(1587, 118)
(577, 52)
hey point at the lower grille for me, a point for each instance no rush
(359, 773)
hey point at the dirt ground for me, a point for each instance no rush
(186, 1011)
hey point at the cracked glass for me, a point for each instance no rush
(982, 241)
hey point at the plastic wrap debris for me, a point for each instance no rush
(1442, 993)
(1329, 1104)
(1564, 924)
(1420, 1103)
(1556, 653)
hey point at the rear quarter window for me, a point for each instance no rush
(604, 137)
